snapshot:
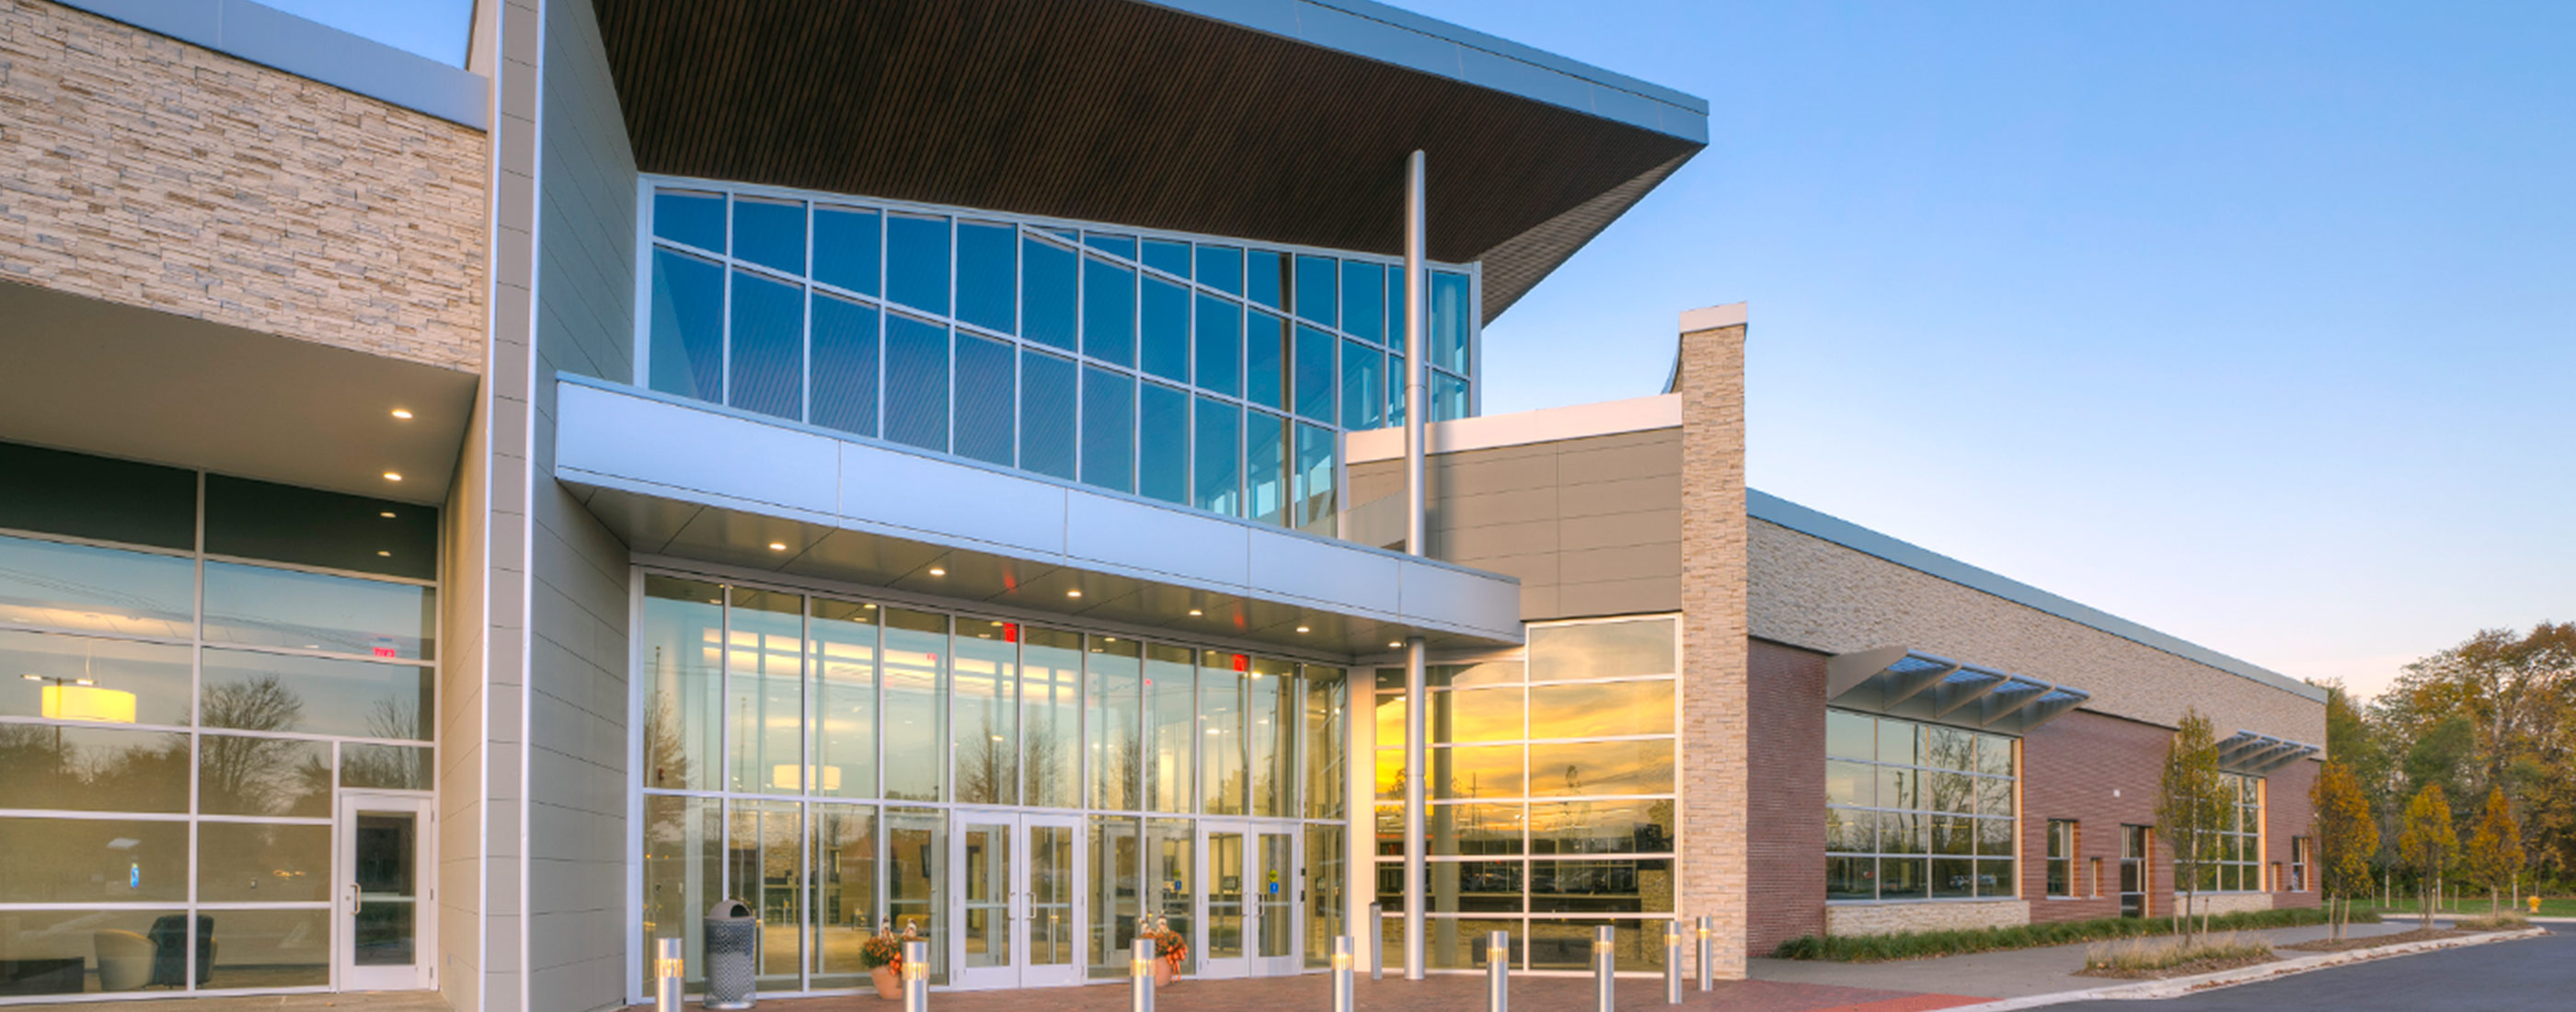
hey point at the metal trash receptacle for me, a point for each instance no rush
(732, 934)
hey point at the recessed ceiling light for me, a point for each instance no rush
(1075, 592)
(393, 476)
(384, 553)
(1109, 639)
(936, 571)
(778, 546)
(388, 514)
(1194, 613)
(1396, 645)
(403, 413)
(1301, 628)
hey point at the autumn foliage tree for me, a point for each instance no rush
(2494, 855)
(2347, 835)
(2192, 804)
(2428, 845)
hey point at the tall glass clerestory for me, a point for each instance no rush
(1193, 370)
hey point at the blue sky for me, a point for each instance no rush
(2249, 322)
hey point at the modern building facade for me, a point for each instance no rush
(941, 468)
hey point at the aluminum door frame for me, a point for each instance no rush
(1019, 971)
(346, 974)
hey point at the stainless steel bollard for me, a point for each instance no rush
(1673, 961)
(1140, 977)
(1342, 973)
(1707, 953)
(669, 969)
(1605, 962)
(1498, 969)
(916, 976)
(1377, 941)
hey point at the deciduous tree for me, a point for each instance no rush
(2428, 845)
(2494, 854)
(2191, 806)
(2347, 835)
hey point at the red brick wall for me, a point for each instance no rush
(2286, 813)
(1785, 816)
(2069, 769)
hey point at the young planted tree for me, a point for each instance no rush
(2427, 844)
(2192, 804)
(2495, 848)
(2347, 835)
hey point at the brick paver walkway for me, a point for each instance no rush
(1440, 993)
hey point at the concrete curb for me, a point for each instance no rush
(2179, 986)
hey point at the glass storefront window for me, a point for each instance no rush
(844, 894)
(986, 745)
(842, 645)
(94, 860)
(1221, 752)
(1270, 726)
(1327, 745)
(86, 588)
(682, 652)
(915, 691)
(260, 606)
(1051, 698)
(94, 679)
(683, 874)
(1114, 696)
(244, 775)
(1171, 696)
(1913, 811)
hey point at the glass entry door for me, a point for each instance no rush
(1019, 920)
(382, 905)
(1249, 921)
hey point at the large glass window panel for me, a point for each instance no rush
(302, 526)
(241, 774)
(1120, 246)
(916, 408)
(697, 219)
(917, 879)
(1220, 345)
(91, 769)
(988, 274)
(1318, 503)
(388, 767)
(1317, 293)
(1949, 748)
(1163, 443)
(259, 606)
(1466, 716)
(250, 691)
(1448, 397)
(844, 349)
(842, 640)
(1896, 742)
(263, 862)
(1850, 735)
(1047, 430)
(844, 895)
(1221, 758)
(1316, 375)
(1601, 650)
(768, 348)
(1051, 713)
(1850, 783)
(1623, 886)
(1265, 467)
(915, 687)
(1327, 875)
(1475, 829)
(770, 233)
(986, 389)
(1171, 881)
(103, 680)
(987, 741)
(1221, 268)
(1466, 676)
(1602, 767)
(89, 589)
(1363, 381)
(685, 339)
(1216, 478)
(1167, 256)
(1601, 709)
(765, 854)
(1327, 742)
(1048, 293)
(682, 647)
(1172, 732)
(1388, 773)
(1994, 755)
(1460, 943)
(1114, 720)
(45, 950)
(1451, 319)
(847, 249)
(1116, 859)
(93, 861)
(683, 857)
(1270, 699)
(1266, 279)
(1108, 429)
(1265, 344)
(765, 691)
(917, 262)
(268, 948)
(1395, 389)
(1108, 311)
(1477, 771)
(1364, 300)
(1601, 827)
(1166, 326)
(1476, 887)
(59, 492)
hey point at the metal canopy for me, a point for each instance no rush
(1138, 114)
(1899, 682)
(2247, 752)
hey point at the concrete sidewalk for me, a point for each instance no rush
(2018, 973)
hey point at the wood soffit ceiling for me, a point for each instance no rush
(1116, 111)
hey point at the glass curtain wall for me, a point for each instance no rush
(819, 709)
(1916, 811)
(2239, 865)
(1549, 798)
(192, 667)
(1207, 374)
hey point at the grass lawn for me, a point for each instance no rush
(2550, 906)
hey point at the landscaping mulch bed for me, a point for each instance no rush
(2375, 941)
(2191, 969)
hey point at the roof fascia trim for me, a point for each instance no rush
(309, 49)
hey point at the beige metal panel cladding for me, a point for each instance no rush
(155, 173)
(1813, 593)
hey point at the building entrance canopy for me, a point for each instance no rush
(676, 478)
(1899, 682)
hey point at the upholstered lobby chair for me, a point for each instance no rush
(124, 960)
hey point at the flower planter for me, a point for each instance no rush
(1164, 975)
(887, 985)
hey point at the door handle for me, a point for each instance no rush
(354, 901)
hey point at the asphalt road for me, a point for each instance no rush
(2520, 976)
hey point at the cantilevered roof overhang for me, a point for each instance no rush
(1283, 121)
(688, 481)
(1904, 683)
(2248, 752)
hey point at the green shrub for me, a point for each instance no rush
(1925, 944)
(2139, 955)
(2492, 922)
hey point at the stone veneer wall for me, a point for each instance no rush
(1943, 915)
(1714, 780)
(2232, 903)
(1823, 596)
(142, 170)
